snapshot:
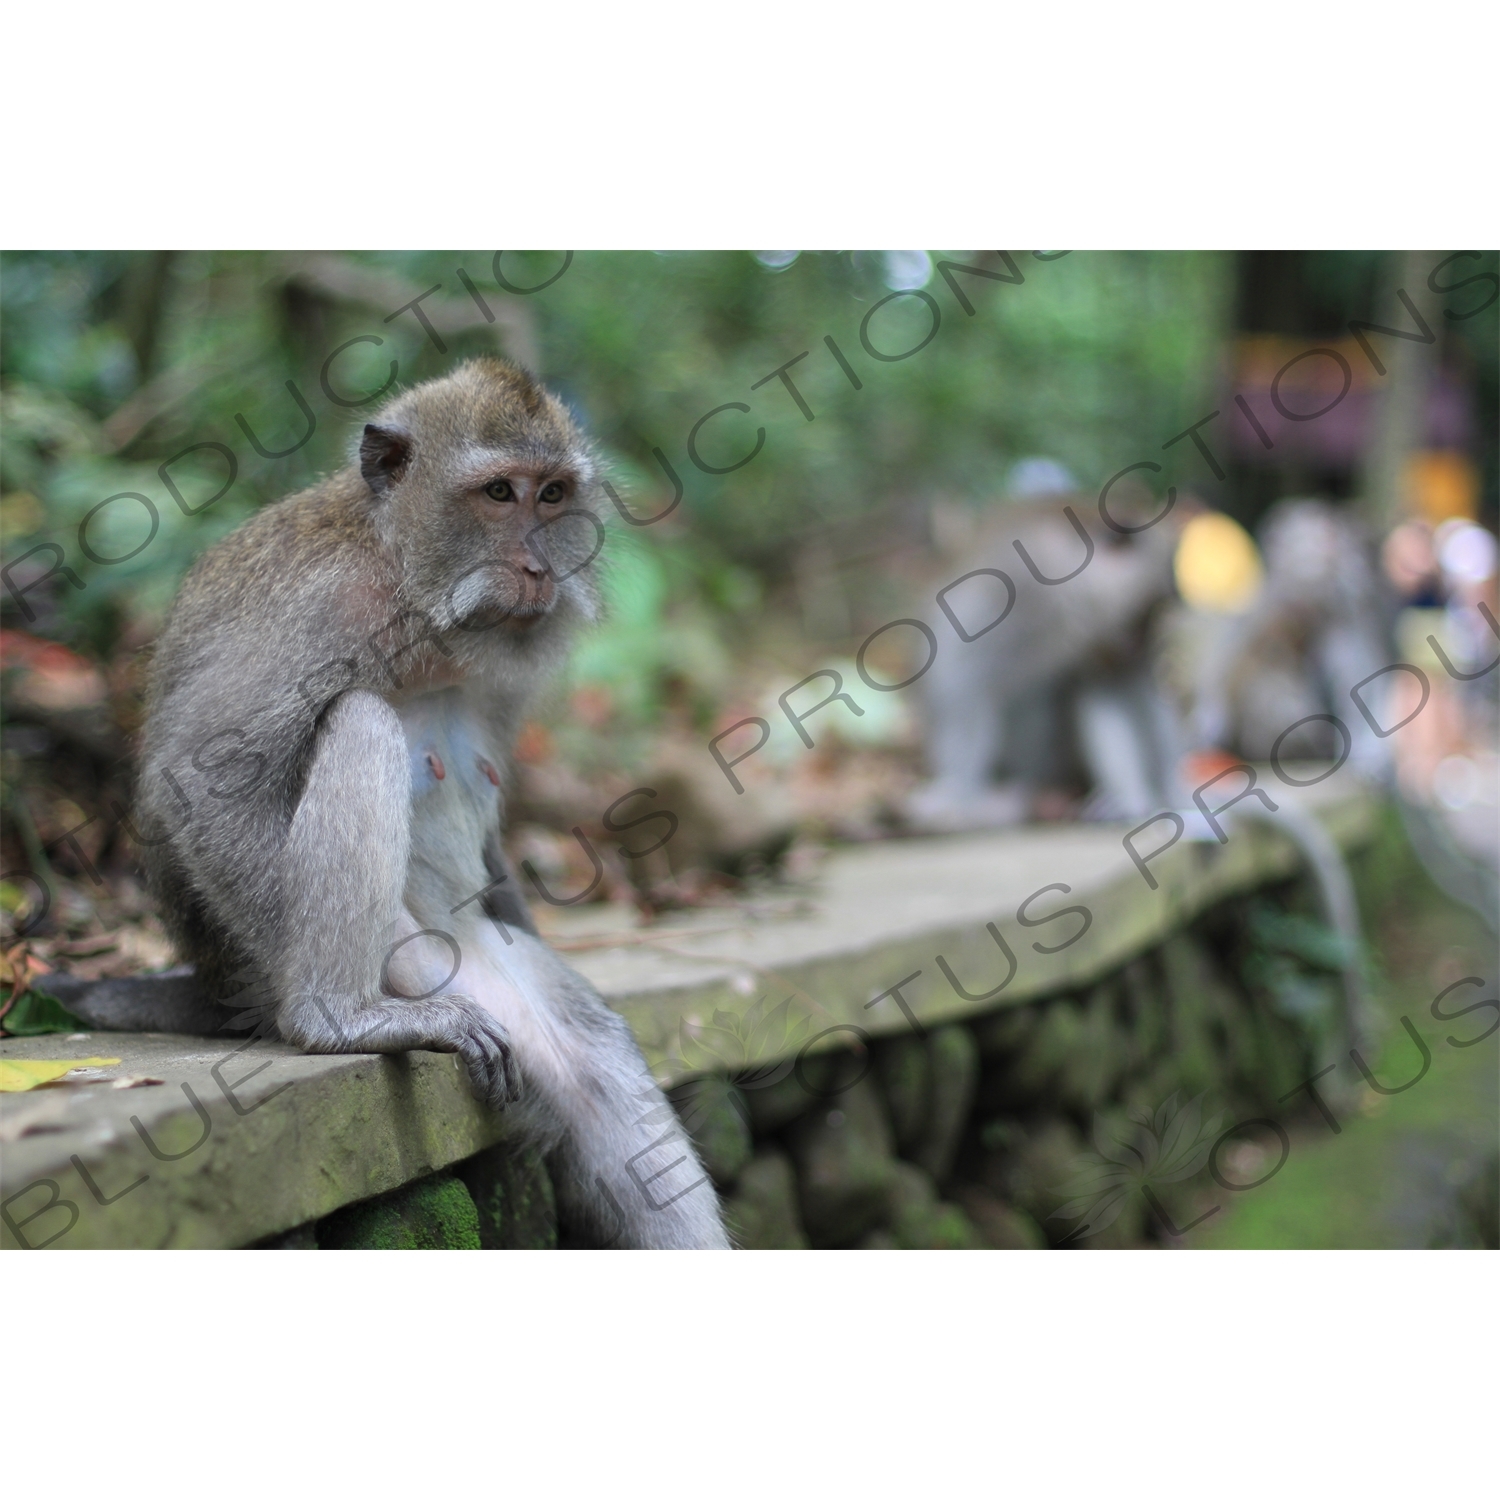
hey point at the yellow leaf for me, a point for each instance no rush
(18, 1074)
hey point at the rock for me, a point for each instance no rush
(1006, 1031)
(1097, 1059)
(803, 1088)
(1033, 1171)
(1126, 1143)
(844, 1164)
(762, 1211)
(919, 1221)
(903, 1067)
(303, 1237)
(1125, 1232)
(1146, 1006)
(1000, 1225)
(714, 1113)
(1154, 1088)
(512, 1191)
(954, 1061)
(1265, 1052)
(1196, 1035)
(1031, 1075)
(435, 1213)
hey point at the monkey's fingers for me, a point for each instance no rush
(486, 1083)
(493, 1070)
(512, 1074)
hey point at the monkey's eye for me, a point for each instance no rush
(552, 493)
(499, 489)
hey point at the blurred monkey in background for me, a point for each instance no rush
(1318, 626)
(1050, 682)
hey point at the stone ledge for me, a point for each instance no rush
(302, 1137)
(291, 1138)
(703, 982)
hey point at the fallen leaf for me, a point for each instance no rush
(46, 1113)
(19, 1074)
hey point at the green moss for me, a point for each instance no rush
(941, 1227)
(436, 1213)
(513, 1193)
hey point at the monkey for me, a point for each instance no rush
(1319, 626)
(1049, 679)
(1041, 672)
(329, 720)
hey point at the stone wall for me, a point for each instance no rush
(968, 1135)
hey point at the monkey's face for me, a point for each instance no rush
(513, 538)
(487, 487)
(521, 520)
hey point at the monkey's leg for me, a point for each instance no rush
(1165, 734)
(965, 735)
(624, 1168)
(1117, 748)
(343, 870)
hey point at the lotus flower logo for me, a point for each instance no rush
(1167, 1146)
(755, 1048)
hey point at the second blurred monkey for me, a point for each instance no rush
(1050, 683)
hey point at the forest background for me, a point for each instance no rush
(210, 383)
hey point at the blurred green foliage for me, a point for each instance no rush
(114, 363)
(1297, 962)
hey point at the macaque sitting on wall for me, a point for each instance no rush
(332, 710)
(1060, 689)
(1318, 627)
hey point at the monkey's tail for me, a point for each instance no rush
(174, 1001)
(1330, 874)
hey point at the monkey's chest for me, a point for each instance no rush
(455, 796)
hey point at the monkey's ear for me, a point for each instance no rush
(383, 455)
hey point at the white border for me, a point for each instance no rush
(670, 123)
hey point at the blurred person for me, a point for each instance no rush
(1446, 754)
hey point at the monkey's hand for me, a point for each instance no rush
(484, 1045)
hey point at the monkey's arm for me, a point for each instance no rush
(345, 933)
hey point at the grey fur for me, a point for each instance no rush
(331, 713)
(1319, 627)
(1063, 668)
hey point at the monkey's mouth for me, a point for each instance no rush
(537, 597)
(530, 605)
(529, 611)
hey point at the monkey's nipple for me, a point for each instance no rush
(490, 772)
(436, 762)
